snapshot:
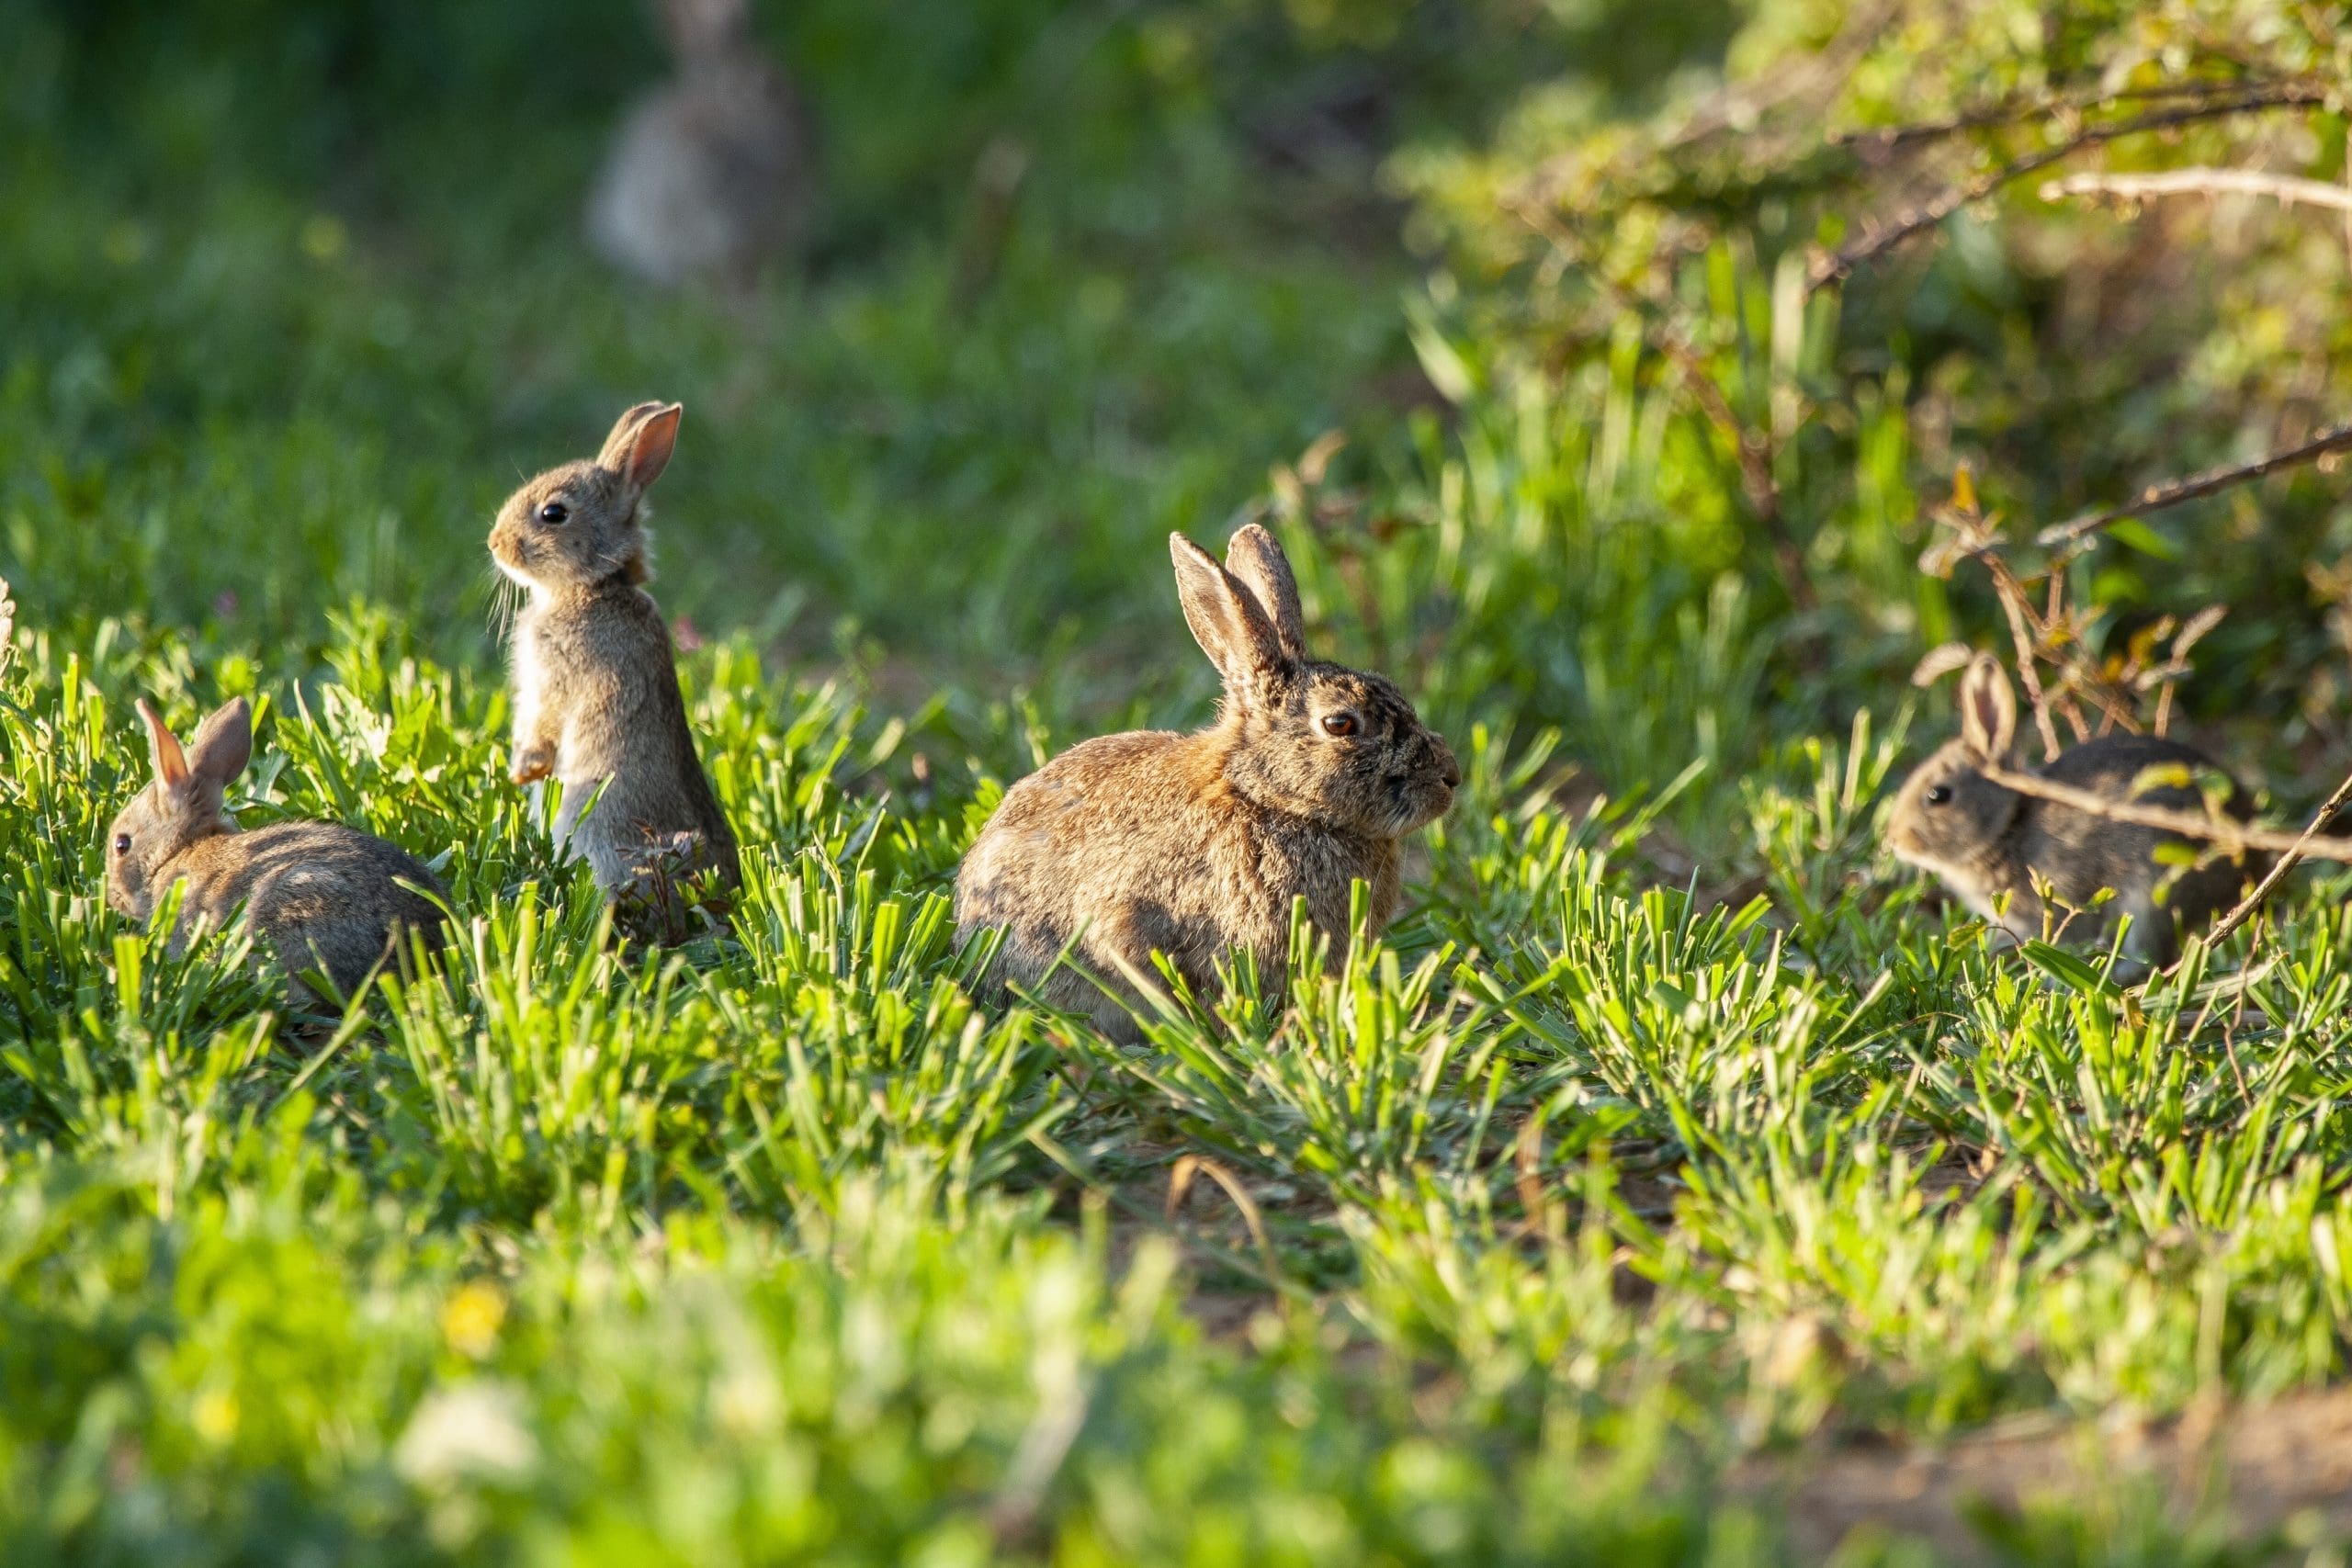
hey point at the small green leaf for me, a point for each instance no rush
(2068, 969)
(2162, 775)
(2142, 538)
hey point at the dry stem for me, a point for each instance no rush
(1883, 238)
(2231, 836)
(2278, 873)
(1881, 139)
(2172, 493)
(2288, 190)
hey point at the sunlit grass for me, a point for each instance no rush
(1671, 1128)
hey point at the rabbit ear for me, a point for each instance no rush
(1226, 622)
(623, 434)
(171, 764)
(1988, 708)
(649, 447)
(639, 446)
(1255, 560)
(224, 744)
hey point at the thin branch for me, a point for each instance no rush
(2291, 190)
(1883, 238)
(2011, 594)
(1879, 140)
(2348, 216)
(2277, 873)
(2172, 493)
(2232, 836)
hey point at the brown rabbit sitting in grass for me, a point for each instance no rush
(1996, 848)
(1193, 845)
(596, 701)
(327, 898)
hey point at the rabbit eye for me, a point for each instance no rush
(122, 843)
(1339, 724)
(554, 511)
(1939, 795)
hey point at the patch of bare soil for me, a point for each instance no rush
(2259, 1465)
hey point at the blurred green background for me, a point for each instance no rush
(290, 295)
(293, 292)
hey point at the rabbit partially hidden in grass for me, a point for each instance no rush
(1989, 845)
(1191, 845)
(326, 897)
(596, 700)
(709, 178)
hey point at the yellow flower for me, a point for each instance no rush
(472, 1320)
(215, 1415)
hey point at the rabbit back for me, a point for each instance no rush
(1130, 844)
(2080, 854)
(323, 895)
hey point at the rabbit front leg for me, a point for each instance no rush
(536, 740)
(534, 762)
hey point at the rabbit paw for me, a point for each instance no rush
(533, 764)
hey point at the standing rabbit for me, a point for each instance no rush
(596, 702)
(709, 177)
(326, 897)
(1987, 843)
(1191, 845)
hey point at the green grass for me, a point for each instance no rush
(1672, 1131)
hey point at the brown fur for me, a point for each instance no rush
(1984, 841)
(324, 896)
(710, 176)
(596, 699)
(1194, 845)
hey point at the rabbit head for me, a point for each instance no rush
(1949, 814)
(579, 525)
(187, 802)
(701, 29)
(1339, 747)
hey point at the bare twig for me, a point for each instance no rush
(2011, 594)
(2172, 493)
(2287, 858)
(1879, 140)
(2232, 836)
(2288, 190)
(1179, 1182)
(1879, 238)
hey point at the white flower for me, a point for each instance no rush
(469, 1431)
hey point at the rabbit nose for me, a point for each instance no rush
(1448, 769)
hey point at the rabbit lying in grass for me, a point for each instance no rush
(1191, 845)
(326, 897)
(709, 177)
(1989, 845)
(596, 700)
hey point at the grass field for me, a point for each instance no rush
(1677, 1181)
